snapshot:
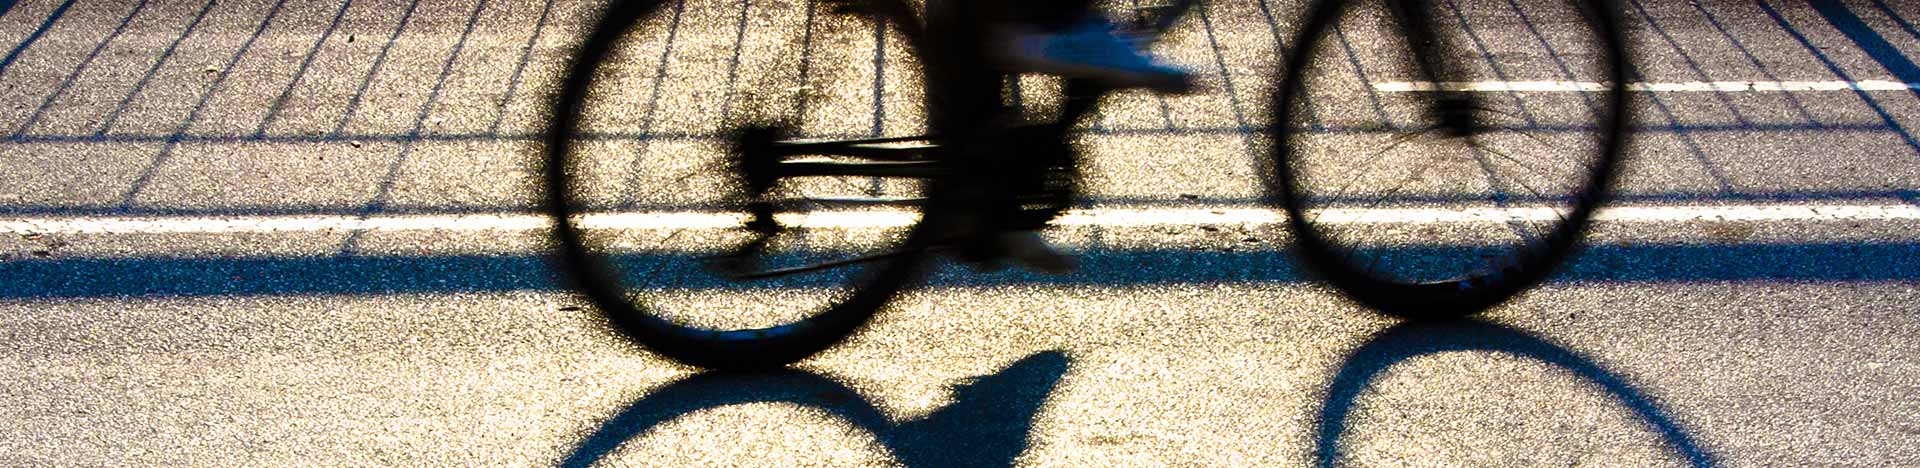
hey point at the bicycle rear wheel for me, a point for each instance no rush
(660, 163)
(1435, 157)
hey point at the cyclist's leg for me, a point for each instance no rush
(1050, 15)
(980, 206)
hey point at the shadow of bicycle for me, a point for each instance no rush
(1414, 339)
(987, 424)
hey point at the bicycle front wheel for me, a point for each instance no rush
(668, 175)
(1435, 157)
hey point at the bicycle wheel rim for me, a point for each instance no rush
(1329, 249)
(601, 278)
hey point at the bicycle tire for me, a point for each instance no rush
(595, 261)
(1366, 252)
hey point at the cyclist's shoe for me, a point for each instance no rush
(1033, 253)
(1090, 49)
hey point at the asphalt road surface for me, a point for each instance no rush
(300, 233)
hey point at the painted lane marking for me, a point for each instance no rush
(1109, 217)
(1666, 87)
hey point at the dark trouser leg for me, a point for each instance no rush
(994, 164)
(1045, 14)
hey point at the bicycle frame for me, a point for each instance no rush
(766, 160)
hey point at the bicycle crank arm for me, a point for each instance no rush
(883, 149)
(917, 169)
(861, 201)
(806, 268)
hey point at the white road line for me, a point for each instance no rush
(1668, 87)
(856, 220)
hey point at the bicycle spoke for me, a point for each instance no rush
(1416, 174)
(1503, 155)
(1369, 161)
(1499, 198)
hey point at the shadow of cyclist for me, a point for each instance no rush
(1413, 339)
(986, 425)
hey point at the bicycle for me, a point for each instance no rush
(823, 200)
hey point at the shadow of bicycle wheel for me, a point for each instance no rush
(987, 424)
(1414, 339)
